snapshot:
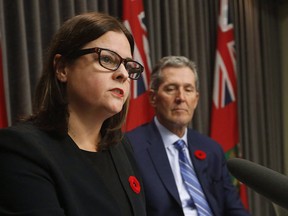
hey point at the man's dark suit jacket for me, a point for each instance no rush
(162, 198)
(44, 175)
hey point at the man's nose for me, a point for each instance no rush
(180, 95)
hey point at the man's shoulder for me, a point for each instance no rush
(140, 130)
(201, 138)
(195, 133)
(142, 136)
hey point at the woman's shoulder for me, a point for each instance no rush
(22, 131)
(26, 137)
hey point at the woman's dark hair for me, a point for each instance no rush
(50, 112)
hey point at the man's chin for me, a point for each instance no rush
(181, 122)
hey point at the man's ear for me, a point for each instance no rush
(152, 97)
(60, 69)
(197, 99)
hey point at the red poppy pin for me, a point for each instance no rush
(201, 155)
(134, 184)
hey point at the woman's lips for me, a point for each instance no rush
(118, 92)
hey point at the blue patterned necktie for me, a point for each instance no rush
(191, 181)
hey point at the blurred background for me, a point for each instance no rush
(176, 27)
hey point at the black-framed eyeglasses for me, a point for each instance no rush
(111, 60)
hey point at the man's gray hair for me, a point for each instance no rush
(171, 61)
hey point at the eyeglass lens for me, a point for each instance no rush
(111, 61)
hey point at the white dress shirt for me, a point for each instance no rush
(168, 139)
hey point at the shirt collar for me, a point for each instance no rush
(167, 136)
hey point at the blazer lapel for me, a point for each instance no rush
(161, 162)
(201, 168)
(125, 170)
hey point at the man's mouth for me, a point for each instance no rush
(179, 110)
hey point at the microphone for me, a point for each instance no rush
(267, 182)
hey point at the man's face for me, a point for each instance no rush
(177, 97)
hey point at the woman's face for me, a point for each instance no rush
(92, 89)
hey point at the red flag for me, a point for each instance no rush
(3, 115)
(140, 110)
(224, 116)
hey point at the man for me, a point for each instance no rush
(172, 190)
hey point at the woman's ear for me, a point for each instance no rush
(60, 69)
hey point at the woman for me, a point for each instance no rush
(67, 159)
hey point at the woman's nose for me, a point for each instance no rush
(121, 73)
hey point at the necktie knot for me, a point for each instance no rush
(179, 144)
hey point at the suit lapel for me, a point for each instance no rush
(125, 170)
(161, 162)
(201, 168)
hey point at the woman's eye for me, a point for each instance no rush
(106, 59)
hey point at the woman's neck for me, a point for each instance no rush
(86, 134)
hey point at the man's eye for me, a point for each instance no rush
(169, 89)
(189, 89)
